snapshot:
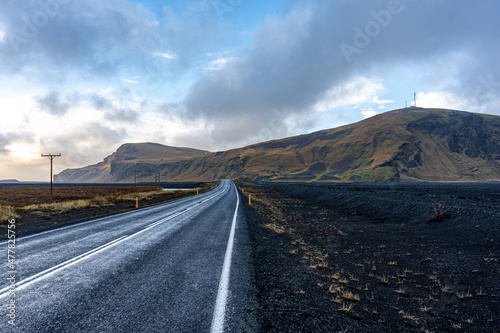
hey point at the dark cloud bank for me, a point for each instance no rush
(295, 59)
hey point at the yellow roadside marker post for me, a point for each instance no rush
(249, 199)
(136, 202)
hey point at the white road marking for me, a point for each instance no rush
(51, 271)
(39, 276)
(220, 303)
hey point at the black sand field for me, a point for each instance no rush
(377, 257)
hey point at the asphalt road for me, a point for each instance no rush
(182, 266)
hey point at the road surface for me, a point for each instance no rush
(182, 266)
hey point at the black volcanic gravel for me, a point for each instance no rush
(419, 257)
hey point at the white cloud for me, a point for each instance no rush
(2, 36)
(218, 63)
(221, 61)
(166, 55)
(360, 90)
(442, 99)
(368, 112)
(130, 81)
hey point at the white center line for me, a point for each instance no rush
(220, 303)
(48, 272)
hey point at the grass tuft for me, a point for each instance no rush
(274, 227)
(439, 214)
(7, 212)
(346, 307)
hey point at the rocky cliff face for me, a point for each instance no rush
(411, 144)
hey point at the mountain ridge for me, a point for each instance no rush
(120, 165)
(410, 144)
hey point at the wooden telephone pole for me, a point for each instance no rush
(51, 157)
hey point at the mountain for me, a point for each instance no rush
(146, 158)
(411, 144)
(9, 181)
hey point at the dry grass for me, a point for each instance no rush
(408, 316)
(7, 212)
(440, 213)
(274, 227)
(337, 300)
(333, 289)
(60, 206)
(97, 201)
(384, 279)
(447, 289)
(271, 207)
(36, 199)
(249, 190)
(425, 309)
(350, 296)
(28, 196)
(481, 292)
(346, 307)
(401, 291)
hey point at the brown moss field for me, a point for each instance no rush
(34, 208)
(26, 196)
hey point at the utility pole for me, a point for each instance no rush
(51, 156)
(135, 176)
(157, 177)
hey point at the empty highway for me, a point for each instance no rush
(183, 266)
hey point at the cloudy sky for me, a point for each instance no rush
(81, 77)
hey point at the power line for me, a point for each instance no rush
(51, 157)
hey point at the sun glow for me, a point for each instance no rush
(23, 152)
